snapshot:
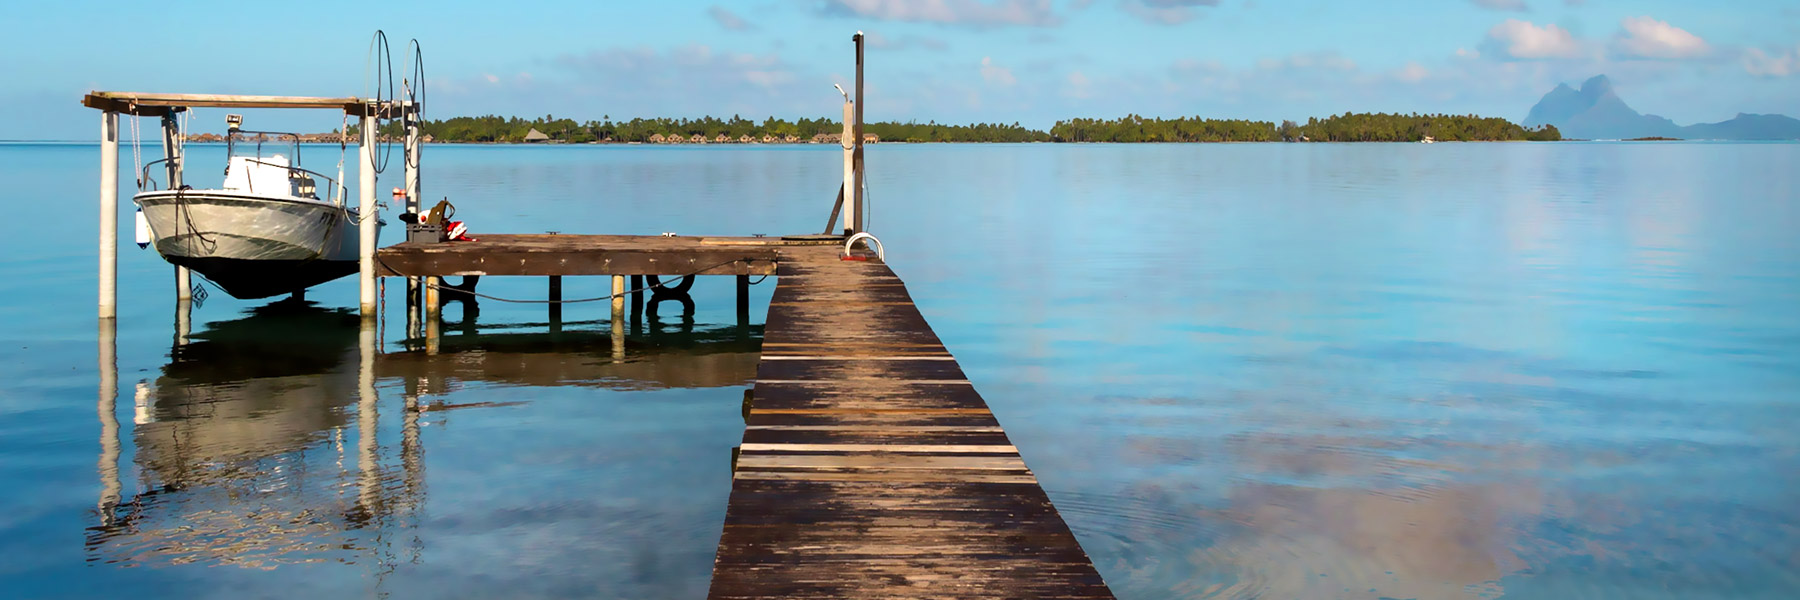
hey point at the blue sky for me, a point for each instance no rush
(1030, 61)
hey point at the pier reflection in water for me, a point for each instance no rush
(261, 442)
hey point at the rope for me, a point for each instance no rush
(646, 288)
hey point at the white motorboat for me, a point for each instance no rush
(264, 232)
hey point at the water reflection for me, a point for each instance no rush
(260, 442)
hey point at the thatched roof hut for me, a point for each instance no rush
(723, 139)
(870, 138)
(746, 139)
(535, 136)
(790, 138)
(697, 138)
(657, 138)
(768, 139)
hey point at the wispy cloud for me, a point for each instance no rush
(728, 19)
(995, 74)
(1645, 37)
(1525, 40)
(905, 42)
(1780, 62)
(1166, 12)
(1509, 5)
(971, 13)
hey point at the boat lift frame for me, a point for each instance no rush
(166, 106)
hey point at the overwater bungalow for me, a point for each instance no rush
(534, 136)
(697, 138)
(746, 139)
(790, 138)
(657, 138)
(870, 138)
(768, 139)
(723, 139)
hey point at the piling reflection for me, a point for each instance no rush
(261, 442)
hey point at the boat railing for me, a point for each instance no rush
(310, 186)
(148, 183)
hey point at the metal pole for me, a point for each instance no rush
(861, 210)
(109, 214)
(366, 212)
(368, 459)
(414, 189)
(174, 151)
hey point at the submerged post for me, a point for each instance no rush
(175, 150)
(366, 215)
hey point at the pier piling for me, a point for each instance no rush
(367, 217)
(109, 214)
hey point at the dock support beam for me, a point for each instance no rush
(109, 214)
(366, 214)
(414, 189)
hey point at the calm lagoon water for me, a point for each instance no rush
(1241, 371)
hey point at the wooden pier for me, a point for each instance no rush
(871, 468)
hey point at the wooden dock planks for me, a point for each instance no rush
(871, 468)
(565, 254)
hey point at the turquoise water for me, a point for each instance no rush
(1241, 371)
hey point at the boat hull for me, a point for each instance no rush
(252, 246)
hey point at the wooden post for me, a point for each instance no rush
(618, 297)
(743, 300)
(109, 214)
(861, 210)
(556, 303)
(175, 150)
(847, 141)
(366, 212)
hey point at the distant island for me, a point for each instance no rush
(1596, 112)
(1348, 127)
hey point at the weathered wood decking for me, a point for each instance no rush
(565, 254)
(871, 468)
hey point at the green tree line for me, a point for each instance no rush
(1348, 127)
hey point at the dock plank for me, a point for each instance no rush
(872, 468)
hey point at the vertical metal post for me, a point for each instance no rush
(861, 210)
(366, 212)
(176, 151)
(109, 214)
(414, 189)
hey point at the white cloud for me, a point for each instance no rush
(1645, 37)
(1078, 86)
(1165, 12)
(728, 19)
(996, 74)
(905, 42)
(1528, 41)
(1512, 5)
(1782, 63)
(975, 13)
(1412, 73)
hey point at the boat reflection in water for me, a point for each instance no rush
(250, 449)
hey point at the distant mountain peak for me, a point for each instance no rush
(1597, 112)
(1598, 84)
